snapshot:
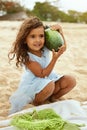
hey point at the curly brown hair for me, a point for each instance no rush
(19, 48)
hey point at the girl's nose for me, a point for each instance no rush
(37, 39)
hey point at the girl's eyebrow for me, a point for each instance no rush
(35, 34)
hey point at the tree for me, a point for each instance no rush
(84, 17)
(74, 16)
(45, 11)
(10, 6)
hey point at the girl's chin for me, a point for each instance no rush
(38, 48)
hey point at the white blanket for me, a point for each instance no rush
(71, 110)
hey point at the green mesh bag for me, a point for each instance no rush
(45, 119)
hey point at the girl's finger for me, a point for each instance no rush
(53, 50)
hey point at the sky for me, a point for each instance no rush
(78, 5)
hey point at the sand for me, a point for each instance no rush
(72, 62)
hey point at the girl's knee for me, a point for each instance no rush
(67, 81)
(71, 80)
(50, 88)
(45, 93)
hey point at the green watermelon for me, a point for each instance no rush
(53, 39)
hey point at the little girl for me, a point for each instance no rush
(39, 82)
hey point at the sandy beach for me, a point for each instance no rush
(73, 62)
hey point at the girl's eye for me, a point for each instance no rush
(32, 36)
(41, 35)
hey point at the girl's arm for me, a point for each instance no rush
(36, 68)
(38, 71)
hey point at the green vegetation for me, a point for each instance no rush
(45, 11)
(10, 7)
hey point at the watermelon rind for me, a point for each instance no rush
(53, 39)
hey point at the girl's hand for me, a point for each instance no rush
(62, 48)
(57, 27)
(60, 51)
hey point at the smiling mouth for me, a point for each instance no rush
(37, 45)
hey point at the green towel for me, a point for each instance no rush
(45, 119)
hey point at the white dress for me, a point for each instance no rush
(30, 85)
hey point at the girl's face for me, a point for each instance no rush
(36, 38)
